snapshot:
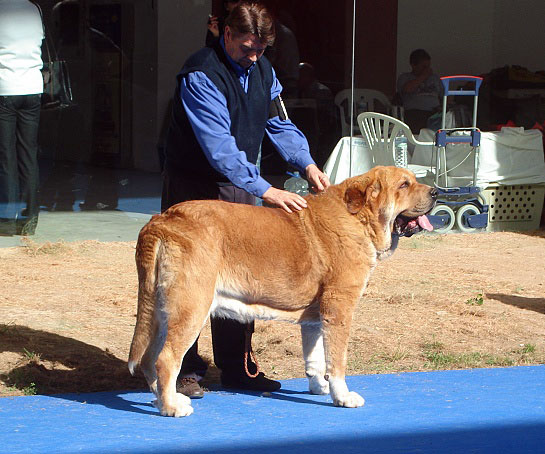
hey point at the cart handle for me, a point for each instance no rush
(461, 78)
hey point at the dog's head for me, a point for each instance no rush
(392, 203)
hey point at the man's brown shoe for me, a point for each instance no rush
(190, 387)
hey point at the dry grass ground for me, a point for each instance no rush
(67, 313)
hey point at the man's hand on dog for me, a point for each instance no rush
(290, 201)
(318, 179)
(284, 199)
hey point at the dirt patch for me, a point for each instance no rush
(67, 313)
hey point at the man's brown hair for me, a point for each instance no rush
(251, 17)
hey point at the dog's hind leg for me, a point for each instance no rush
(147, 364)
(186, 305)
(169, 402)
(313, 352)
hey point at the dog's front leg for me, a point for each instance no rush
(337, 310)
(313, 352)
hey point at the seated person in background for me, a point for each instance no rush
(420, 91)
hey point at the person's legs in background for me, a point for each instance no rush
(8, 167)
(28, 120)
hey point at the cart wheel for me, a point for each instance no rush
(461, 217)
(443, 210)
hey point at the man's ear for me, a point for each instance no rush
(356, 196)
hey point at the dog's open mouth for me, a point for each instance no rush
(404, 226)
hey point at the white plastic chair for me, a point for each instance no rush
(380, 132)
(374, 101)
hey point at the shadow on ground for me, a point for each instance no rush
(79, 367)
(522, 302)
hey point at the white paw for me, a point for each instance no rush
(349, 400)
(318, 385)
(183, 410)
(182, 407)
(183, 399)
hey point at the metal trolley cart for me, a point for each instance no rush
(463, 206)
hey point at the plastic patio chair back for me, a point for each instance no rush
(373, 99)
(380, 131)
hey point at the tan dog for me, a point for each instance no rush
(203, 258)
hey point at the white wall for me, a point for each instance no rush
(472, 36)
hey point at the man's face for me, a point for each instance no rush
(421, 67)
(243, 49)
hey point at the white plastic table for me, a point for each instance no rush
(341, 165)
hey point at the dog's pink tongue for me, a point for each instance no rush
(425, 223)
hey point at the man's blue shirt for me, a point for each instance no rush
(206, 109)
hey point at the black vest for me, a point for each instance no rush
(248, 112)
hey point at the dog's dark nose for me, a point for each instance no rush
(433, 193)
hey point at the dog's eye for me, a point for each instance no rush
(404, 185)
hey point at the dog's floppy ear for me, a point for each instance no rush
(355, 196)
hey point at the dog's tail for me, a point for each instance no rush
(147, 250)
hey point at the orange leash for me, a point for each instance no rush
(254, 359)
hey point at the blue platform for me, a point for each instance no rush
(470, 411)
